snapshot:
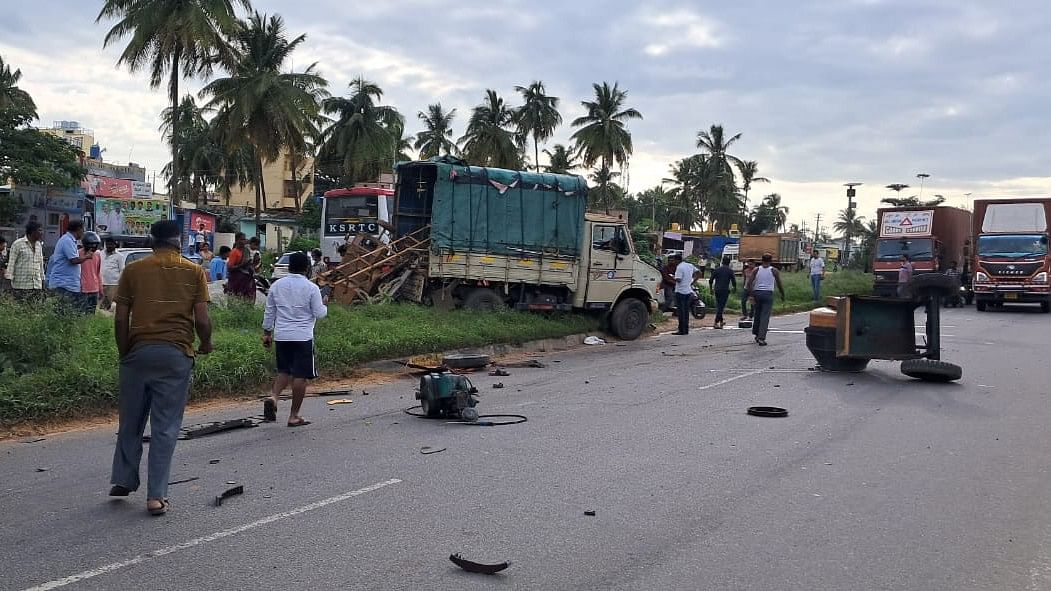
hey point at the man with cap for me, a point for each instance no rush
(161, 301)
(293, 304)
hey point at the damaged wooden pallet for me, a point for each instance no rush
(366, 275)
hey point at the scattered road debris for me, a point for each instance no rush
(204, 429)
(499, 373)
(594, 341)
(427, 450)
(498, 385)
(465, 361)
(214, 461)
(35, 440)
(336, 392)
(476, 567)
(364, 392)
(184, 480)
(531, 363)
(339, 401)
(767, 411)
(230, 492)
(42, 469)
(589, 513)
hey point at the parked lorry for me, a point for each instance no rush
(506, 238)
(932, 237)
(783, 247)
(1011, 261)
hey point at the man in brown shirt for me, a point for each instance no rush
(161, 301)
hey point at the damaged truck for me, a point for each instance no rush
(490, 238)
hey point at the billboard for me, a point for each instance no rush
(901, 224)
(100, 186)
(129, 217)
(140, 189)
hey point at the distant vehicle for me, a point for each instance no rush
(130, 255)
(783, 247)
(672, 251)
(281, 266)
(346, 213)
(733, 252)
(933, 237)
(1011, 261)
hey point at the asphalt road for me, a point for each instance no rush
(873, 481)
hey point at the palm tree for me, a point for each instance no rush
(749, 170)
(603, 136)
(849, 223)
(15, 102)
(609, 194)
(272, 111)
(561, 160)
(199, 156)
(778, 212)
(363, 140)
(436, 138)
(538, 116)
(717, 146)
(490, 139)
(173, 38)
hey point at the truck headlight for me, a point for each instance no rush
(1040, 277)
(981, 277)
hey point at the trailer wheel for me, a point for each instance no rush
(484, 299)
(930, 370)
(630, 317)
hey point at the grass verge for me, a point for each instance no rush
(55, 366)
(798, 296)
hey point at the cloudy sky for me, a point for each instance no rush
(822, 91)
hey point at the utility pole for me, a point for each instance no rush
(817, 228)
(922, 176)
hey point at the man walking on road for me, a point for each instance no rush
(721, 282)
(763, 281)
(25, 265)
(817, 273)
(63, 268)
(904, 275)
(293, 305)
(746, 277)
(161, 301)
(685, 275)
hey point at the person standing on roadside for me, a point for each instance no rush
(746, 295)
(904, 275)
(63, 268)
(685, 275)
(4, 254)
(161, 301)
(668, 282)
(217, 270)
(90, 273)
(817, 273)
(763, 281)
(25, 265)
(319, 266)
(239, 267)
(206, 255)
(112, 265)
(293, 305)
(721, 283)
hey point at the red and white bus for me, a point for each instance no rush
(346, 213)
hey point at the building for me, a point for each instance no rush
(52, 207)
(279, 185)
(72, 132)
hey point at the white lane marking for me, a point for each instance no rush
(208, 538)
(728, 380)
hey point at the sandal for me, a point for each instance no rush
(161, 510)
(299, 423)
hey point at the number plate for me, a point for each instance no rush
(1010, 296)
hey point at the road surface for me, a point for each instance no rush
(872, 482)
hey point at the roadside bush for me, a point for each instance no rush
(55, 365)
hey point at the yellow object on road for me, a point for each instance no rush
(339, 401)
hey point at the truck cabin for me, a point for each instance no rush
(1013, 246)
(921, 251)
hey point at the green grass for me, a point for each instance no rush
(798, 296)
(55, 366)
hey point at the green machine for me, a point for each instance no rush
(447, 394)
(862, 328)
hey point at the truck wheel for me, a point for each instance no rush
(930, 284)
(629, 319)
(968, 299)
(930, 370)
(430, 408)
(979, 305)
(484, 299)
(1045, 307)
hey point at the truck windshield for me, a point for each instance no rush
(1013, 246)
(918, 250)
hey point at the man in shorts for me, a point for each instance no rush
(293, 305)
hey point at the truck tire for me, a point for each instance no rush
(484, 299)
(630, 317)
(465, 361)
(930, 370)
(1045, 307)
(979, 305)
(924, 286)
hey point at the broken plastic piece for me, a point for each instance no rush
(594, 341)
(498, 385)
(589, 513)
(476, 567)
(230, 492)
(339, 401)
(427, 450)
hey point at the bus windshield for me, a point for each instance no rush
(345, 215)
(918, 250)
(1013, 246)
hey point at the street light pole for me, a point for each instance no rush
(850, 211)
(922, 176)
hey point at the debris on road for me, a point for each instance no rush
(184, 480)
(531, 363)
(214, 461)
(427, 450)
(230, 492)
(476, 567)
(337, 392)
(594, 341)
(42, 469)
(589, 513)
(767, 411)
(35, 440)
(339, 401)
(499, 373)
(498, 385)
(465, 361)
(364, 392)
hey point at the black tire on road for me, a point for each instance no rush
(484, 300)
(979, 305)
(465, 361)
(429, 408)
(930, 370)
(929, 284)
(629, 318)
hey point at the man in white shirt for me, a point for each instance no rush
(685, 275)
(817, 273)
(112, 265)
(293, 305)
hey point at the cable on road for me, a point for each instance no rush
(508, 419)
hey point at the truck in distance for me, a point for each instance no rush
(1011, 260)
(932, 237)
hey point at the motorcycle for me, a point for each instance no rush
(697, 307)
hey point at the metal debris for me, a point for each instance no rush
(230, 492)
(427, 450)
(477, 567)
(184, 480)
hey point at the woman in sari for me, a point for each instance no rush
(240, 270)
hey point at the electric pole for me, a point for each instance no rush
(817, 228)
